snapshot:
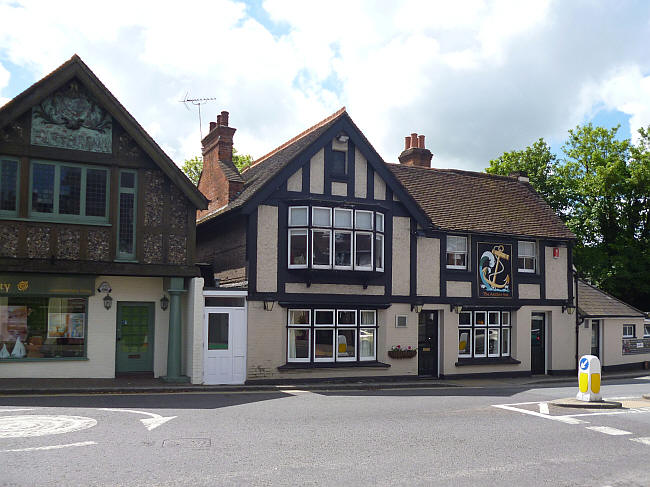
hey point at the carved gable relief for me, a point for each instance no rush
(72, 119)
(127, 148)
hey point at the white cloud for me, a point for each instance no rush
(477, 78)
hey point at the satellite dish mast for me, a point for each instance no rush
(196, 102)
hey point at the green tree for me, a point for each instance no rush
(194, 166)
(601, 189)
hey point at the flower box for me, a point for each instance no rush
(402, 353)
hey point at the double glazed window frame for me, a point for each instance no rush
(356, 234)
(488, 331)
(56, 213)
(629, 330)
(336, 321)
(5, 161)
(453, 251)
(527, 260)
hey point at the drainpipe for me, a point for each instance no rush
(579, 319)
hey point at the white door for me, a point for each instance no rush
(225, 346)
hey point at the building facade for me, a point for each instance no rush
(355, 267)
(97, 238)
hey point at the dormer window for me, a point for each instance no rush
(335, 238)
(456, 252)
(527, 256)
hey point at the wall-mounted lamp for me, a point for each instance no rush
(108, 301)
(456, 307)
(268, 305)
(569, 308)
(417, 307)
(342, 138)
(164, 302)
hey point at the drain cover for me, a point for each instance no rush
(191, 443)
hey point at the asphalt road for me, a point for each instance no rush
(454, 436)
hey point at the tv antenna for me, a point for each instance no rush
(196, 102)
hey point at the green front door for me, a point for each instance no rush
(134, 350)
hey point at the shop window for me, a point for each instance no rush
(69, 192)
(343, 335)
(41, 327)
(456, 252)
(629, 331)
(484, 334)
(127, 211)
(9, 172)
(335, 238)
(526, 256)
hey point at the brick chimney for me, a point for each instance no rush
(414, 153)
(220, 180)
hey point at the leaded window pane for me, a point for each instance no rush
(70, 190)
(96, 180)
(43, 188)
(8, 184)
(126, 221)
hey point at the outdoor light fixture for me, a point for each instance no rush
(569, 308)
(164, 302)
(417, 307)
(108, 301)
(342, 138)
(456, 307)
(268, 305)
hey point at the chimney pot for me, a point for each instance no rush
(224, 118)
(407, 142)
(213, 125)
(414, 140)
(415, 153)
(218, 120)
(421, 141)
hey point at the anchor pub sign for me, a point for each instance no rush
(494, 270)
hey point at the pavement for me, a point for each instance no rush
(147, 384)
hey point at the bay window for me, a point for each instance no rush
(484, 334)
(335, 238)
(331, 335)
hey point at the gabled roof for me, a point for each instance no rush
(76, 68)
(592, 302)
(465, 201)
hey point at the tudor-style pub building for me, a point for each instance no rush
(348, 261)
(97, 230)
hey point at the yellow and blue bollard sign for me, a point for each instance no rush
(589, 379)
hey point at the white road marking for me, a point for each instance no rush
(608, 431)
(41, 425)
(150, 423)
(51, 447)
(15, 410)
(295, 392)
(543, 408)
(561, 419)
(645, 441)
(645, 377)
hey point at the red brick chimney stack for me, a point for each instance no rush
(415, 153)
(220, 180)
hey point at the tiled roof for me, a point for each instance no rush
(456, 200)
(267, 166)
(594, 302)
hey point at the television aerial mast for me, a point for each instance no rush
(196, 102)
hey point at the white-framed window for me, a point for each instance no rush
(646, 330)
(331, 335)
(401, 321)
(484, 334)
(527, 256)
(363, 251)
(456, 252)
(335, 238)
(629, 331)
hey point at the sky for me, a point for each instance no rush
(477, 78)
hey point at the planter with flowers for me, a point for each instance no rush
(402, 352)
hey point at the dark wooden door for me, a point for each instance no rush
(428, 343)
(537, 348)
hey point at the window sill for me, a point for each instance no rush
(332, 365)
(486, 361)
(67, 221)
(44, 359)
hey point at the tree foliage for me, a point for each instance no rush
(600, 187)
(194, 166)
